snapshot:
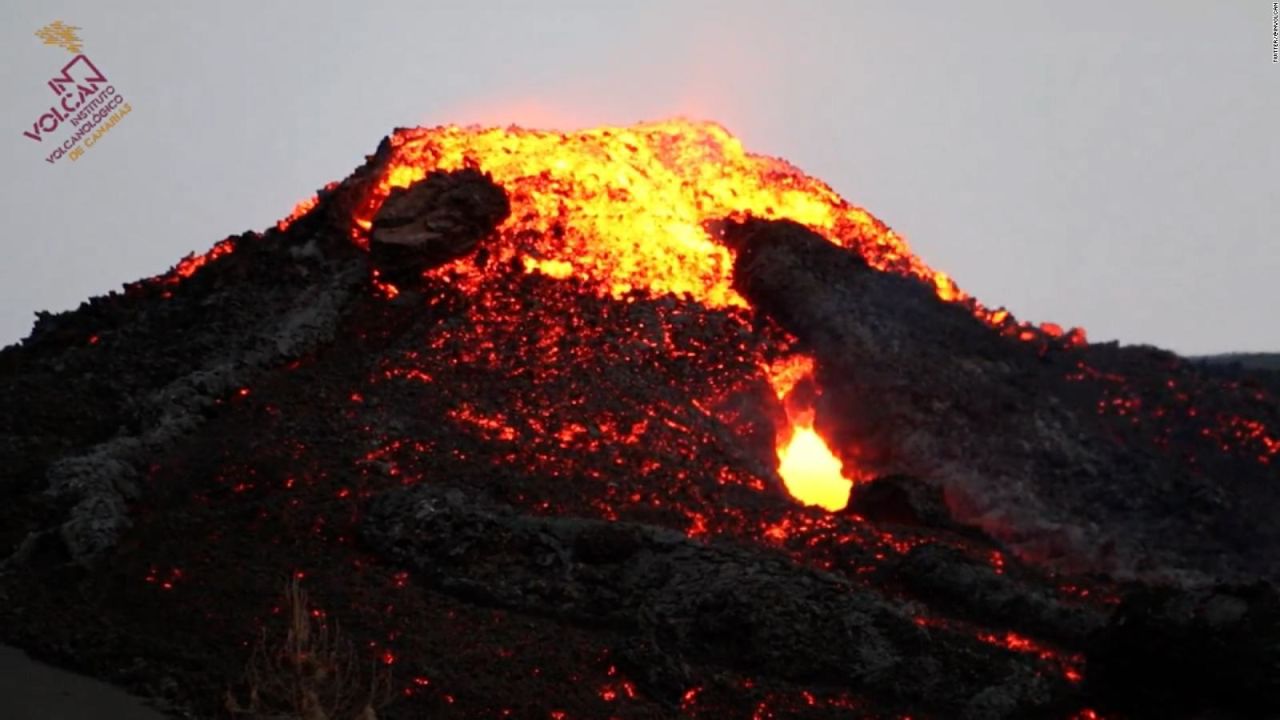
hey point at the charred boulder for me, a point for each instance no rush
(900, 500)
(440, 218)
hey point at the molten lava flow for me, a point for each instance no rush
(622, 210)
(812, 474)
(626, 207)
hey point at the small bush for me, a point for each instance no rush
(311, 674)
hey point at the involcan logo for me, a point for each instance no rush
(87, 107)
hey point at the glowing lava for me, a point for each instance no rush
(809, 470)
(628, 209)
(812, 474)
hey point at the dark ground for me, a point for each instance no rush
(35, 691)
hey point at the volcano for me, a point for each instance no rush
(626, 423)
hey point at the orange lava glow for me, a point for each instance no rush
(809, 470)
(191, 263)
(302, 208)
(813, 475)
(625, 210)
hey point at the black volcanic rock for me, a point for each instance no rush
(757, 613)
(437, 219)
(900, 500)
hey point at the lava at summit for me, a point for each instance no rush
(627, 208)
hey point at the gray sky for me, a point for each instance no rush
(1102, 163)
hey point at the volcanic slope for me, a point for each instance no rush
(510, 406)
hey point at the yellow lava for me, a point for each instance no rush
(625, 208)
(812, 474)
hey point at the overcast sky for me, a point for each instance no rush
(1110, 164)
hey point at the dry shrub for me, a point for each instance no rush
(313, 673)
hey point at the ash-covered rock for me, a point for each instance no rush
(134, 361)
(699, 605)
(440, 218)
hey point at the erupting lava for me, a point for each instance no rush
(812, 473)
(630, 209)
(627, 208)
